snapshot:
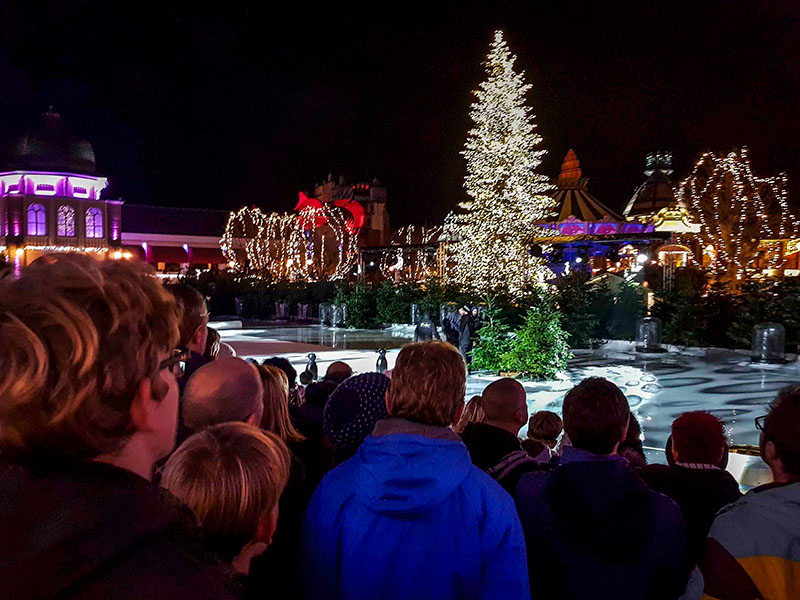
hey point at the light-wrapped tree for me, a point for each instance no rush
(490, 234)
(737, 211)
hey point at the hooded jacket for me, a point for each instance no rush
(409, 516)
(754, 546)
(595, 530)
(94, 531)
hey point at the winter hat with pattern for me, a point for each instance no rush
(352, 411)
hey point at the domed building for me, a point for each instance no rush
(50, 196)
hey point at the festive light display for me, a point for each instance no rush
(416, 257)
(316, 244)
(739, 214)
(490, 236)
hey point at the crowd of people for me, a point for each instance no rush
(139, 460)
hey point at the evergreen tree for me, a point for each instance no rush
(492, 232)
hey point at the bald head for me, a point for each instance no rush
(227, 389)
(503, 401)
(338, 371)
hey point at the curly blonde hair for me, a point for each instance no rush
(429, 382)
(77, 337)
(276, 404)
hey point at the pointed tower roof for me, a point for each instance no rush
(573, 198)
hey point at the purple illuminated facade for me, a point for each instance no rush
(50, 196)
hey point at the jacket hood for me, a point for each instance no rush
(68, 521)
(406, 474)
(600, 504)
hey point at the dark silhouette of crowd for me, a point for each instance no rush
(139, 459)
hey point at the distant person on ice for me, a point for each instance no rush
(425, 330)
(465, 329)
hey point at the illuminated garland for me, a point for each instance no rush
(317, 244)
(489, 240)
(412, 263)
(736, 211)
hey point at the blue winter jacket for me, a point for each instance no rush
(408, 517)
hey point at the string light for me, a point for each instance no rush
(415, 258)
(489, 238)
(739, 213)
(316, 244)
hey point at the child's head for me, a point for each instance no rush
(231, 476)
(545, 426)
(306, 378)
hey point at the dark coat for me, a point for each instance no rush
(425, 331)
(595, 530)
(94, 531)
(489, 445)
(465, 331)
(700, 493)
(279, 566)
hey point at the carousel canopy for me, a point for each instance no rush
(573, 198)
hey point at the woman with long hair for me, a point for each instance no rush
(276, 405)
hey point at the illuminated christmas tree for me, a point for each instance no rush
(491, 233)
(740, 214)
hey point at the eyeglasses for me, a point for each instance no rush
(760, 421)
(176, 362)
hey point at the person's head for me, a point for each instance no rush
(352, 411)
(428, 384)
(426, 317)
(463, 310)
(231, 476)
(227, 389)
(545, 426)
(596, 415)
(84, 349)
(285, 366)
(276, 404)
(194, 316)
(472, 413)
(505, 405)
(338, 371)
(213, 343)
(474, 311)
(780, 435)
(698, 437)
(306, 377)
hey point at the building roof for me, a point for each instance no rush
(137, 218)
(50, 147)
(573, 198)
(657, 191)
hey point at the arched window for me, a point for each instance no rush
(37, 220)
(65, 226)
(94, 223)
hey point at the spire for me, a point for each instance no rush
(571, 167)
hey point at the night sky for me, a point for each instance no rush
(221, 104)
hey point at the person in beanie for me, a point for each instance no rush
(352, 412)
(409, 516)
(593, 529)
